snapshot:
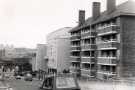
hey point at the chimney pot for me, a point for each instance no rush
(96, 10)
(81, 17)
(111, 5)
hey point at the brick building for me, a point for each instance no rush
(103, 45)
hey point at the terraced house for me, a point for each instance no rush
(103, 46)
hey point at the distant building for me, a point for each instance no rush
(32, 54)
(104, 44)
(58, 50)
(11, 57)
(40, 57)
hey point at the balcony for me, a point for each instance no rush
(75, 60)
(105, 75)
(108, 30)
(88, 34)
(108, 45)
(75, 48)
(106, 72)
(107, 61)
(87, 59)
(86, 72)
(74, 38)
(86, 47)
(74, 69)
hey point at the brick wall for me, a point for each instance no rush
(128, 46)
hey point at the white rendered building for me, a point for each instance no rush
(58, 49)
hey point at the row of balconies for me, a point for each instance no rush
(106, 72)
(107, 41)
(101, 60)
(88, 47)
(75, 45)
(108, 30)
(91, 34)
(88, 59)
(100, 27)
(105, 75)
(101, 46)
(107, 61)
(76, 34)
(87, 72)
(77, 59)
(74, 69)
(109, 45)
(72, 38)
(83, 59)
(101, 31)
(75, 48)
(85, 31)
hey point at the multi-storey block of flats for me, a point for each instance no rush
(103, 46)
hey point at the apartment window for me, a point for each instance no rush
(93, 41)
(92, 53)
(87, 41)
(75, 53)
(86, 53)
(74, 43)
(86, 65)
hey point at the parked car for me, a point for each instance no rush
(28, 77)
(18, 77)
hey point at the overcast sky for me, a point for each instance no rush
(25, 23)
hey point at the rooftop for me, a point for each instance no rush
(127, 8)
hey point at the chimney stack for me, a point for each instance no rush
(96, 10)
(111, 6)
(81, 17)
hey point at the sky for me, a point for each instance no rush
(26, 23)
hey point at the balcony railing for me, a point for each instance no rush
(90, 33)
(71, 56)
(107, 60)
(88, 47)
(76, 45)
(108, 45)
(87, 72)
(75, 38)
(75, 48)
(106, 72)
(74, 69)
(75, 59)
(87, 59)
(108, 30)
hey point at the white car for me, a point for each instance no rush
(18, 77)
(28, 77)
